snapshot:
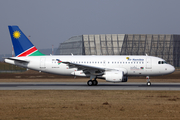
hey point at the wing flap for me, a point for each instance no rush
(87, 69)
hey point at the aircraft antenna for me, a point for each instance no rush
(52, 49)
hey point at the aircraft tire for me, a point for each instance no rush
(95, 82)
(148, 83)
(90, 83)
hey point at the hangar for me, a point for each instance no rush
(166, 46)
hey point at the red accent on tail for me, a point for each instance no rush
(28, 52)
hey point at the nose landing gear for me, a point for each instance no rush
(148, 81)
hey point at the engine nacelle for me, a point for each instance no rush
(115, 76)
(78, 73)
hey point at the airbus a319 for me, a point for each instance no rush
(110, 68)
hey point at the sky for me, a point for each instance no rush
(50, 22)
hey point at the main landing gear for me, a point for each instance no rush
(92, 82)
(148, 81)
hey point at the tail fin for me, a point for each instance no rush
(22, 45)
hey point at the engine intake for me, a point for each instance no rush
(115, 76)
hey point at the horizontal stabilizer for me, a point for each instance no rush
(18, 60)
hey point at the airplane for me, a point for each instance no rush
(114, 69)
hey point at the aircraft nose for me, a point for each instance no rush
(171, 69)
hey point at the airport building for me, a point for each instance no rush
(166, 46)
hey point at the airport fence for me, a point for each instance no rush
(8, 68)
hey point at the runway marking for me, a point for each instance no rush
(84, 86)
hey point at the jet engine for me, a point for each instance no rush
(115, 76)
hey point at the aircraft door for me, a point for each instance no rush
(42, 63)
(148, 63)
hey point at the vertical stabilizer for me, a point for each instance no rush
(22, 45)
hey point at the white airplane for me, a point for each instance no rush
(111, 68)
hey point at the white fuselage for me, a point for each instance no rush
(131, 65)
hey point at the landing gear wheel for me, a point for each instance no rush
(95, 82)
(90, 82)
(148, 83)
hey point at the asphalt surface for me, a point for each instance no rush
(84, 86)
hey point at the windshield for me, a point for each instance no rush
(162, 62)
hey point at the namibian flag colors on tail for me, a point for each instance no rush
(22, 46)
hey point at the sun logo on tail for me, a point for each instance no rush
(16, 34)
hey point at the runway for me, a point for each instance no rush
(84, 86)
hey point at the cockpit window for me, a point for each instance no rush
(162, 62)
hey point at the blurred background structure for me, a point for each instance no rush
(165, 46)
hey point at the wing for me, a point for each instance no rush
(87, 69)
